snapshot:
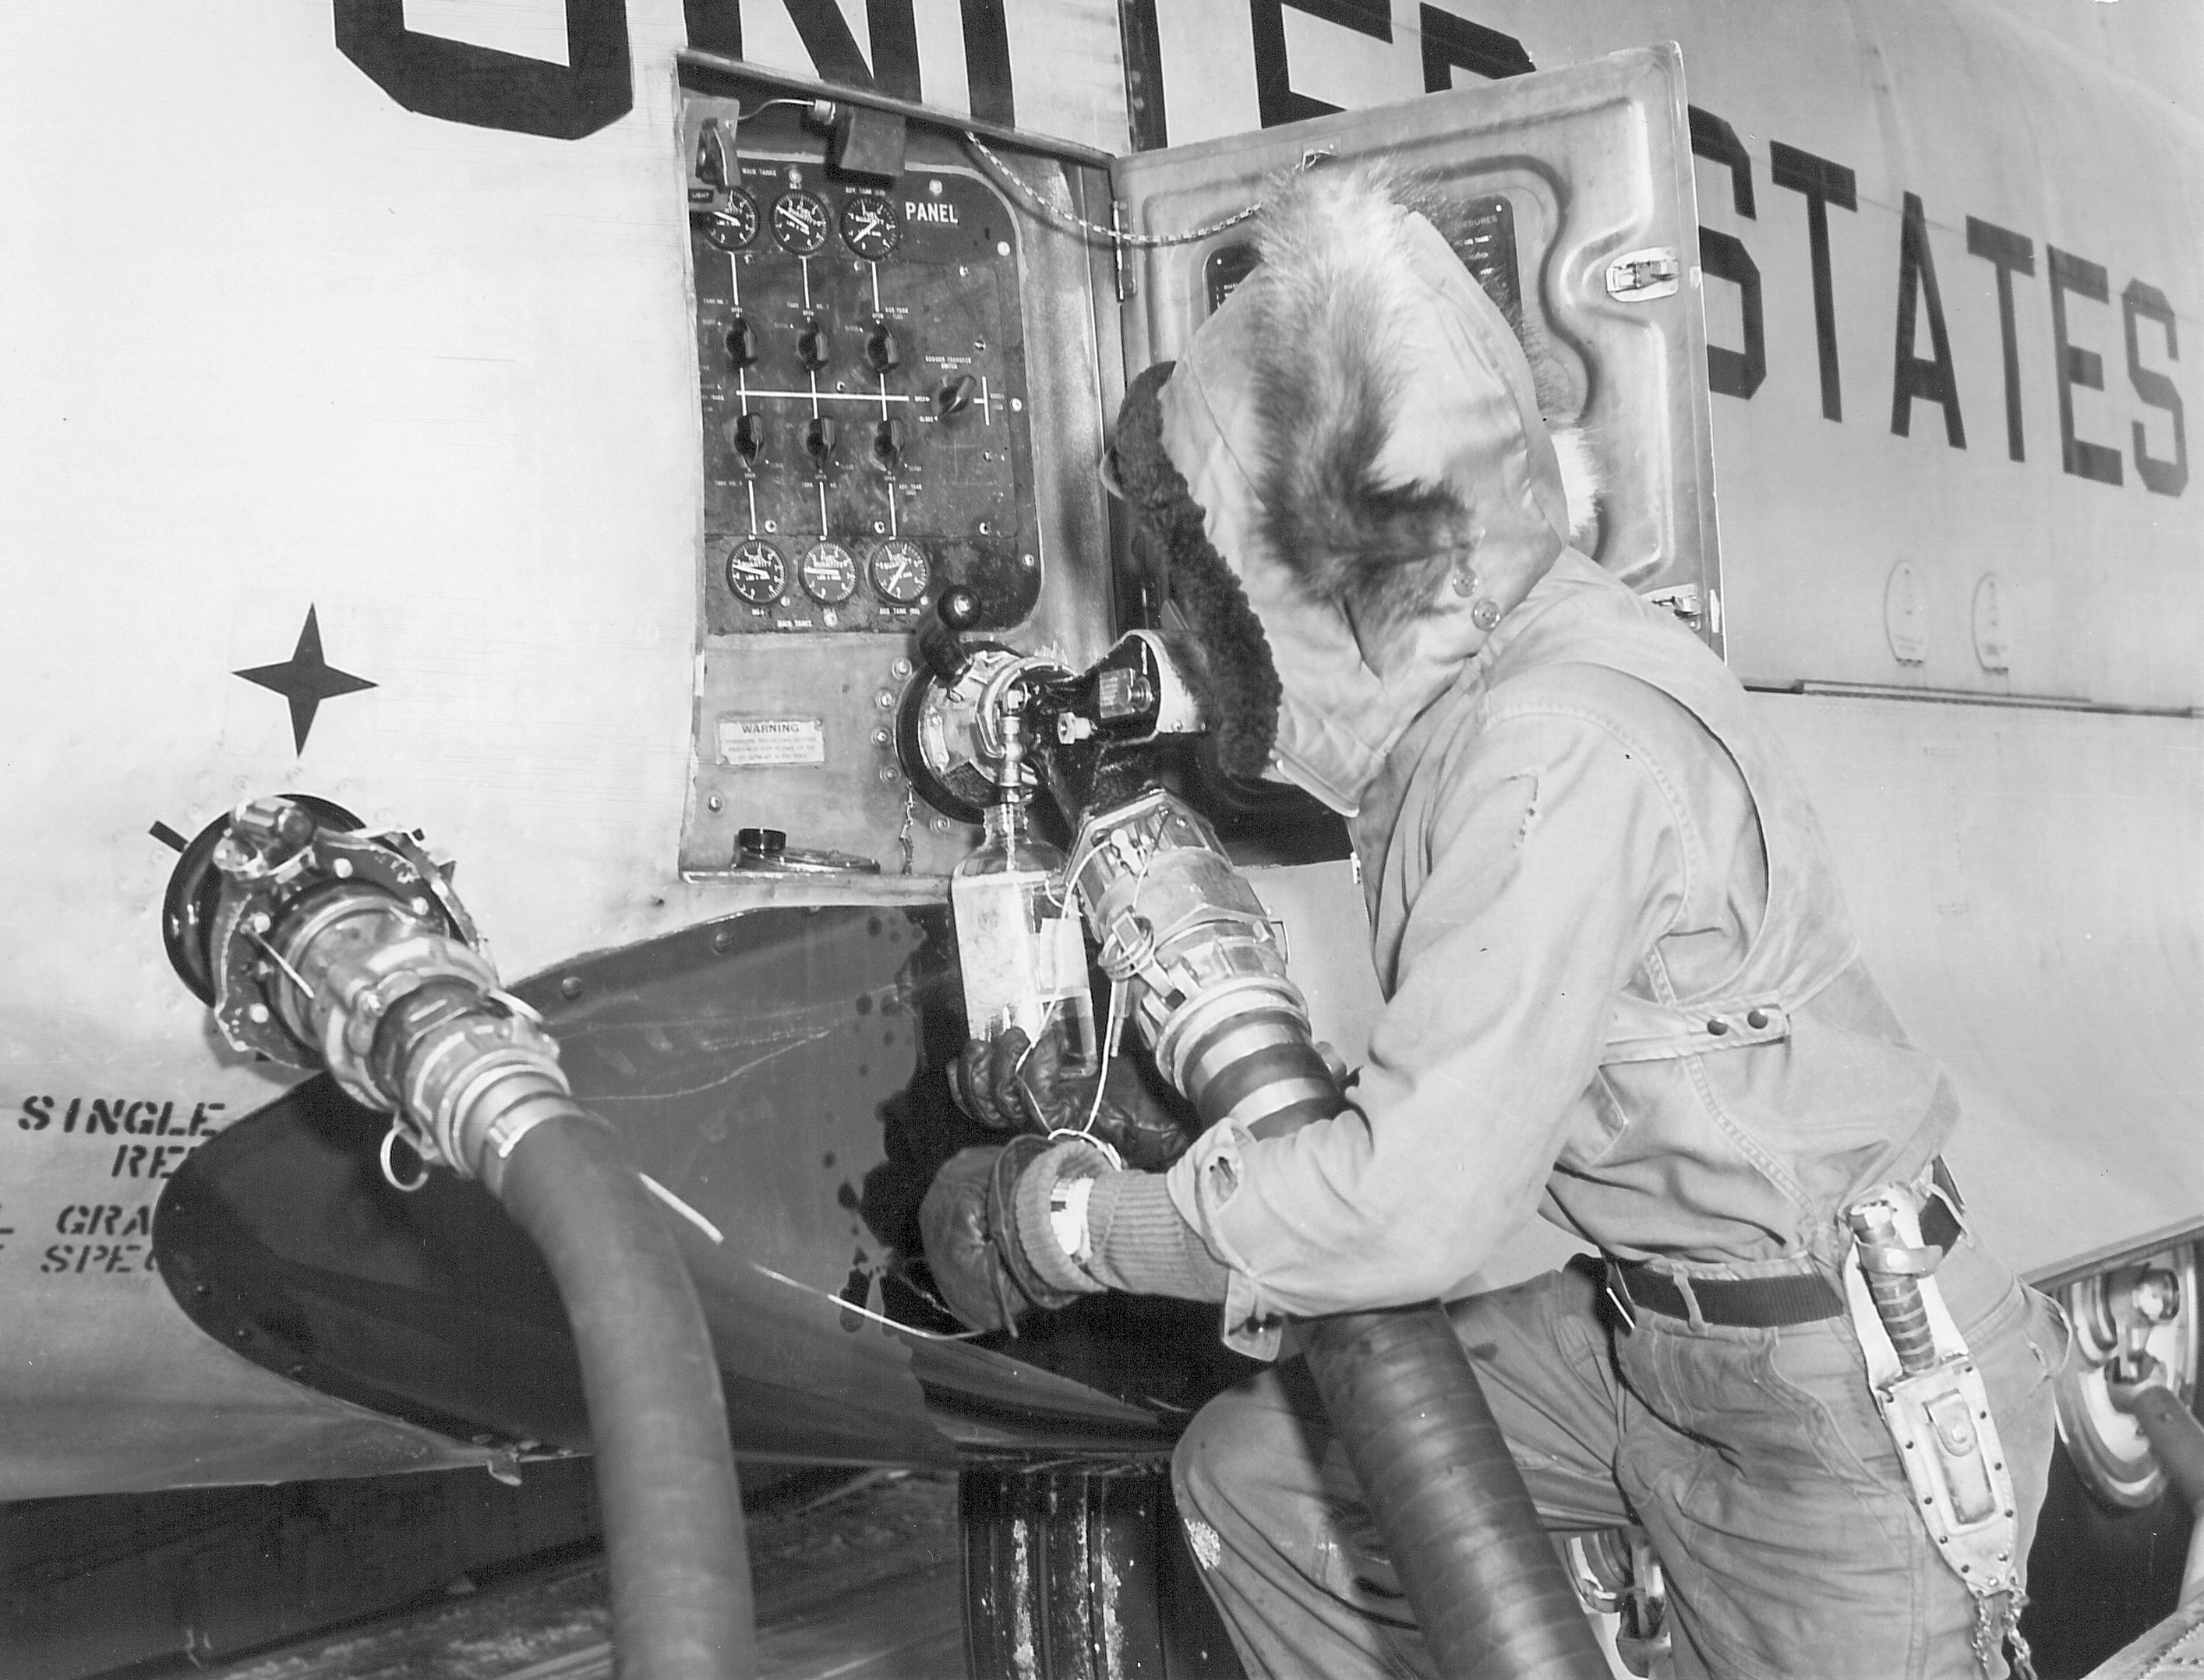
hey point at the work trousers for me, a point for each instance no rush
(1754, 1458)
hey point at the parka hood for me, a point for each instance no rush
(1360, 427)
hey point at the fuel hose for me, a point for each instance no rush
(503, 1112)
(658, 1423)
(1487, 1589)
(320, 944)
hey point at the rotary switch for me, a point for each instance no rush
(741, 342)
(746, 431)
(813, 347)
(889, 437)
(955, 395)
(820, 437)
(882, 350)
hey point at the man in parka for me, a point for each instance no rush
(1621, 987)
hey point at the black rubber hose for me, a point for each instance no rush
(658, 1422)
(1487, 1588)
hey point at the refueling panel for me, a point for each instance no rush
(910, 341)
(861, 389)
(867, 304)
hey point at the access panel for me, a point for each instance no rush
(1578, 215)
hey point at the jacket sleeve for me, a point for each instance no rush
(1551, 861)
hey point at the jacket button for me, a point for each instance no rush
(1755, 1019)
(1718, 1027)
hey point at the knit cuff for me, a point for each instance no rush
(1142, 1244)
(1036, 1237)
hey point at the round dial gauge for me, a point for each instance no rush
(799, 223)
(735, 223)
(829, 575)
(870, 224)
(755, 573)
(900, 571)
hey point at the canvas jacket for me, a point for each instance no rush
(1620, 982)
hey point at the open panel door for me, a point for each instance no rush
(1578, 192)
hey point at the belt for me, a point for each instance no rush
(1759, 1303)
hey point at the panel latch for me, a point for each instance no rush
(1639, 277)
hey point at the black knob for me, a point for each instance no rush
(945, 656)
(813, 348)
(746, 431)
(959, 608)
(741, 343)
(955, 395)
(882, 350)
(889, 437)
(820, 437)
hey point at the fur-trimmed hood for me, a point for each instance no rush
(1362, 429)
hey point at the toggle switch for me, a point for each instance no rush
(741, 343)
(813, 347)
(955, 395)
(820, 437)
(882, 350)
(889, 437)
(715, 161)
(746, 431)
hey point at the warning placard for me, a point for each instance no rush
(748, 742)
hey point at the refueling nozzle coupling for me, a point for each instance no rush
(1203, 965)
(348, 950)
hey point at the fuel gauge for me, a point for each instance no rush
(754, 571)
(899, 571)
(735, 223)
(830, 576)
(800, 223)
(870, 225)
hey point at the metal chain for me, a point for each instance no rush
(1997, 1624)
(1094, 231)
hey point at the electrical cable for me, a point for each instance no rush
(1094, 232)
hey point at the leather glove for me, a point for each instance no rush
(1013, 1084)
(973, 1247)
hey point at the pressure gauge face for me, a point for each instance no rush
(900, 571)
(830, 576)
(735, 223)
(799, 223)
(755, 573)
(870, 225)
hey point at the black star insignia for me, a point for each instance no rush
(305, 679)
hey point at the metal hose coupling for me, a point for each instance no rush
(1200, 964)
(348, 949)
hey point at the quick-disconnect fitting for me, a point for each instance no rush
(1203, 965)
(348, 950)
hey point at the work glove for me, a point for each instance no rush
(1011, 1083)
(971, 1221)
